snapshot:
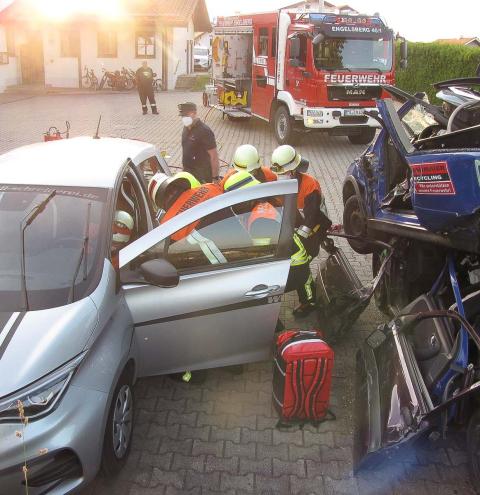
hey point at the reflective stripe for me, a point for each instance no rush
(208, 247)
(308, 288)
(262, 241)
(301, 256)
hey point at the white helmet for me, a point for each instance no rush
(154, 185)
(246, 158)
(285, 159)
(122, 228)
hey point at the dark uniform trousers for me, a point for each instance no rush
(145, 93)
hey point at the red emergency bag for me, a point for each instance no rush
(303, 364)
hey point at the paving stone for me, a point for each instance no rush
(218, 420)
(341, 487)
(176, 446)
(140, 490)
(235, 421)
(319, 438)
(232, 434)
(241, 450)
(263, 436)
(194, 432)
(199, 406)
(272, 486)
(272, 451)
(171, 490)
(316, 468)
(161, 431)
(222, 464)
(204, 480)
(170, 405)
(162, 461)
(307, 486)
(264, 422)
(312, 452)
(262, 466)
(289, 437)
(214, 448)
(296, 468)
(196, 463)
(173, 478)
(237, 482)
(175, 418)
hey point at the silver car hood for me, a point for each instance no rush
(34, 343)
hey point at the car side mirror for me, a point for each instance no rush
(160, 272)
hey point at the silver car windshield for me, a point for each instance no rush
(62, 245)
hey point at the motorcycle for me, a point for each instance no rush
(113, 80)
(129, 77)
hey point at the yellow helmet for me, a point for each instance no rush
(285, 159)
(246, 158)
(239, 181)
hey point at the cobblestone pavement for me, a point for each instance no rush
(220, 436)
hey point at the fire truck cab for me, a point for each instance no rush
(302, 72)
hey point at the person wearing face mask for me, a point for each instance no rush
(199, 148)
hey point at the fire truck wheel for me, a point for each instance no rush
(283, 126)
(365, 137)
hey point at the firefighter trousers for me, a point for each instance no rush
(145, 93)
(300, 279)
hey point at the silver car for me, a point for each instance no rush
(80, 322)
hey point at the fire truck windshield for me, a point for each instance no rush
(353, 54)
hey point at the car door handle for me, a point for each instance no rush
(261, 290)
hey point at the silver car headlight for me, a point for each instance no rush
(40, 397)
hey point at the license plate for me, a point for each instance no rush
(353, 112)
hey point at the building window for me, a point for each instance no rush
(69, 43)
(145, 45)
(263, 41)
(274, 42)
(107, 44)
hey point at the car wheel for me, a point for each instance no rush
(366, 136)
(473, 449)
(283, 126)
(355, 223)
(118, 431)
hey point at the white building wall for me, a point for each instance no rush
(60, 72)
(178, 59)
(9, 73)
(125, 53)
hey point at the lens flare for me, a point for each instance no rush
(60, 10)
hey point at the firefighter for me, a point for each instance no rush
(122, 230)
(246, 158)
(312, 220)
(144, 76)
(264, 224)
(179, 193)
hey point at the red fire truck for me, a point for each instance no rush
(302, 71)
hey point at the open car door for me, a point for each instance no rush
(225, 307)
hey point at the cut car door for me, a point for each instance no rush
(225, 307)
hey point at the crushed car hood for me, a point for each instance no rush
(34, 343)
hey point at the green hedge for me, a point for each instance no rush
(433, 62)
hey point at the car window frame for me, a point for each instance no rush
(287, 188)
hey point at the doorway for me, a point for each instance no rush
(31, 59)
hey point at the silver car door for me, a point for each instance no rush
(225, 307)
